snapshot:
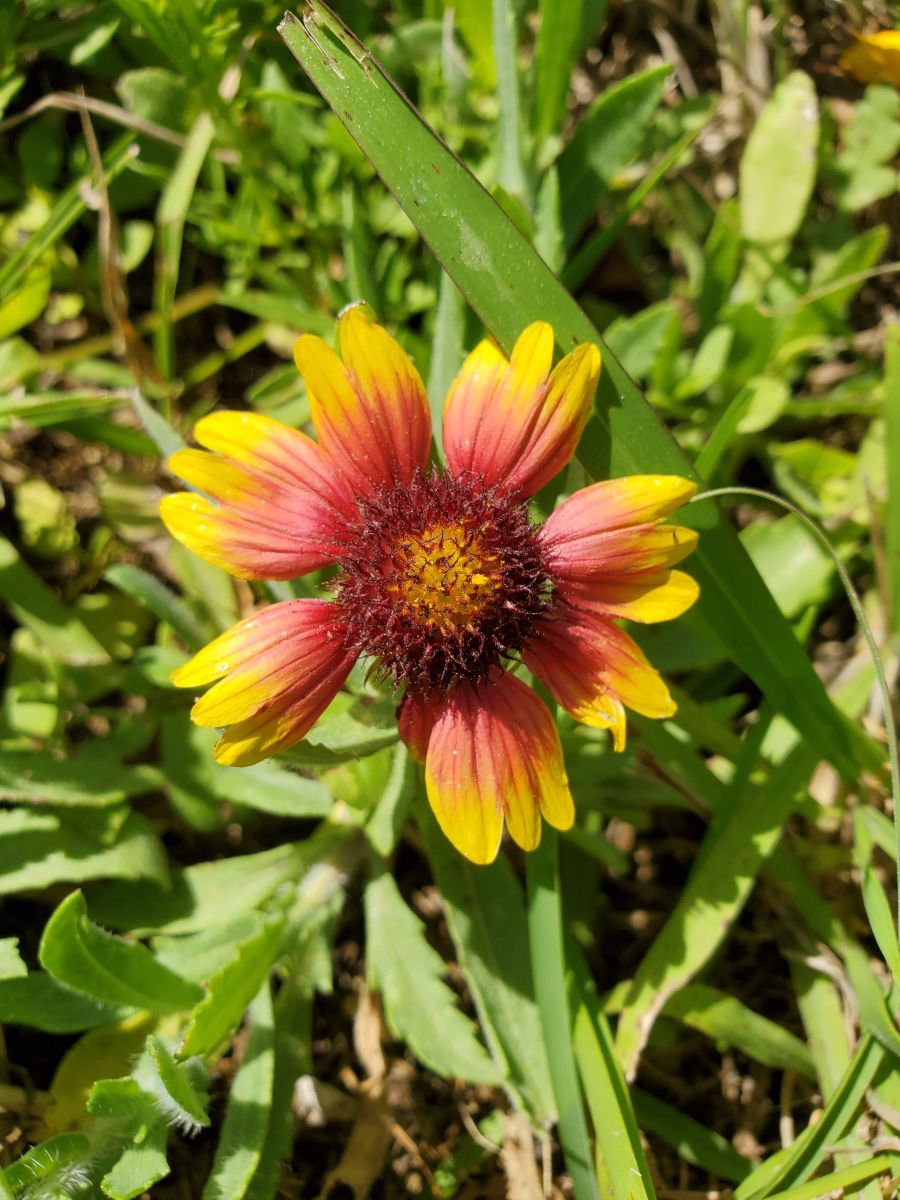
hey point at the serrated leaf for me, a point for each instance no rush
(231, 989)
(86, 958)
(420, 1008)
(140, 1166)
(181, 1098)
(246, 1122)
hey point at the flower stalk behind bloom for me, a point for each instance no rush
(443, 580)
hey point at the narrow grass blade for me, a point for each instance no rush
(892, 445)
(170, 219)
(795, 1164)
(446, 353)
(162, 602)
(509, 286)
(555, 54)
(622, 1168)
(545, 927)
(510, 171)
(826, 1185)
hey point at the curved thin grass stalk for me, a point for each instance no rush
(859, 612)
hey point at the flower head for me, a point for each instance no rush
(874, 58)
(443, 581)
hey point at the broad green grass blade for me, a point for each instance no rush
(622, 1168)
(508, 285)
(738, 843)
(545, 928)
(695, 1143)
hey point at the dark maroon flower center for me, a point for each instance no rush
(443, 580)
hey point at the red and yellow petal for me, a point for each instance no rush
(416, 715)
(369, 405)
(282, 510)
(516, 423)
(874, 58)
(594, 670)
(611, 529)
(494, 756)
(277, 670)
(646, 597)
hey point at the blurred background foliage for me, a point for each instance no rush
(176, 205)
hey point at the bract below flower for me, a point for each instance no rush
(443, 580)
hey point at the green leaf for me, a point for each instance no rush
(622, 1168)
(608, 137)
(798, 571)
(892, 443)
(33, 604)
(194, 775)
(57, 1154)
(162, 602)
(737, 844)
(246, 1122)
(211, 893)
(339, 737)
(87, 959)
(420, 1008)
(40, 1002)
(778, 166)
(183, 1094)
(485, 912)
(509, 286)
(11, 964)
(555, 55)
(797, 1162)
(548, 954)
(140, 1166)
(40, 849)
(693, 1142)
(384, 825)
(26, 304)
(81, 780)
(732, 1023)
(231, 989)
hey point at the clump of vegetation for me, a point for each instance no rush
(281, 979)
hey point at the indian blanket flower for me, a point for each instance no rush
(442, 578)
(874, 57)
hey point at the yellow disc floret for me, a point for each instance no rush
(443, 577)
